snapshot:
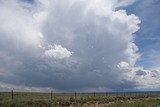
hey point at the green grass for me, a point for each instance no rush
(25, 99)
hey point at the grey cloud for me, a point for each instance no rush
(155, 73)
(99, 39)
(141, 73)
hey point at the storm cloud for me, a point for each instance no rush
(69, 45)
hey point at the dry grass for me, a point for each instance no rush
(81, 100)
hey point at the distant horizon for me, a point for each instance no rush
(107, 92)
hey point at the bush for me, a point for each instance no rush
(72, 99)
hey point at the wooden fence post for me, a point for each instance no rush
(116, 93)
(94, 94)
(12, 94)
(75, 95)
(51, 94)
(106, 94)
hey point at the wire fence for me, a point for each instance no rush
(13, 95)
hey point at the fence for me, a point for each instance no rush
(74, 96)
(13, 95)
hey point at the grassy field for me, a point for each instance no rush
(26, 99)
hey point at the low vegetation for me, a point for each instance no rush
(25, 99)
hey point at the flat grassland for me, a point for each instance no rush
(33, 99)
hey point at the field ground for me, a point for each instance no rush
(26, 99)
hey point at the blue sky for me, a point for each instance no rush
(148, 37)
(86, 45)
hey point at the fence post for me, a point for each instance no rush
(116, 93)
(51, 94)
(94, 94)
(106, 94)
(12, 94)
(75, 95)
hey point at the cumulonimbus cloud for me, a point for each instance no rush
(92, 45)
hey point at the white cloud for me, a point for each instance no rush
(18, 28)
(123, 65)
(123, 3)
(58, 52)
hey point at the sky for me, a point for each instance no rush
(148, 39)
(79, 45)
